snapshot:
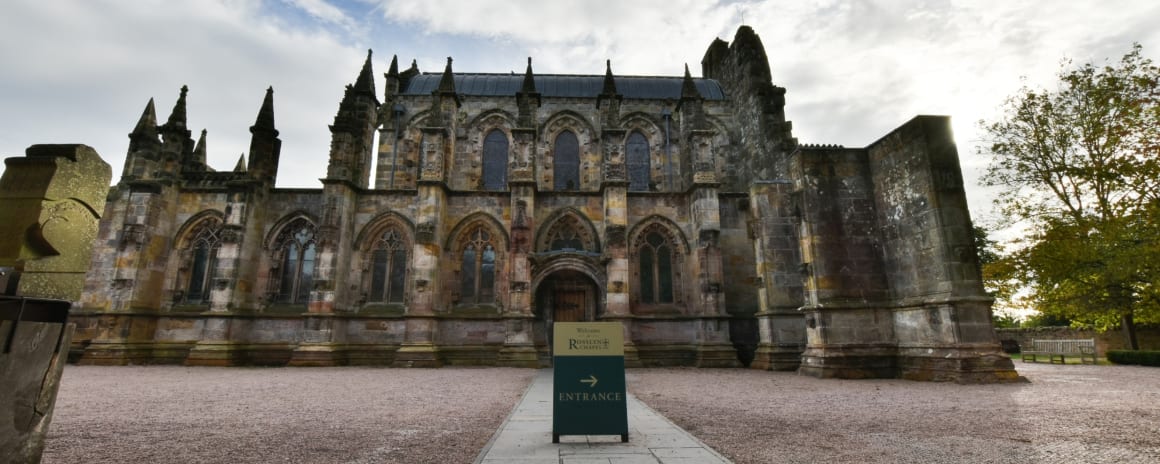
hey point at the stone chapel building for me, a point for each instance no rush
(682, 207)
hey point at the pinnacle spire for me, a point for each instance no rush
(146, 129)
(366, 78)
(199, 149)
(529, 85)
(177, 117)
(609, 81)
(265, 120)
(688, 87)
(393, 71)
(241, 166)
(147, 125)
(447, 83)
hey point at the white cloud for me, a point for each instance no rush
(81, 71)
(576, 36)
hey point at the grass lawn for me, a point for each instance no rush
(1066, 359)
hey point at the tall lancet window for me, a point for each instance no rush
(656, 269)
(297, 251)
(477, 276)
(495, 160)
(204, 241)
(389, 268)
(636, 149)
(567, 162)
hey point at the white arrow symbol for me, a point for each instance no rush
(591, 381)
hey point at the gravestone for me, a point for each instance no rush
(50, 204)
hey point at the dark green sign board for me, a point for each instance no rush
(588, 392)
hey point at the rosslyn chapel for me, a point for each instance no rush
(462, 214)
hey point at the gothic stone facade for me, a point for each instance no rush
(681, 207)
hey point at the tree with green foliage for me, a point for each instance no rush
(1079, 166)
(997, 279)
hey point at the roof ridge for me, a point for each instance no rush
(518, 75)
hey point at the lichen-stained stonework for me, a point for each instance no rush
(681, 207)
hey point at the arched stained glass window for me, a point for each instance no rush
(388, 268)
(656, 269)
(567, 162)
(477, 276)
(495, 159)
(636, 149)
(203, 245)
(298, 251)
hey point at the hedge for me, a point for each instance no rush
(1143, 358)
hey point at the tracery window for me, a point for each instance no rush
(656, 269)
(477, 277)
(388, 268)
(565, 238)
(495, 158)
(204, 241)
(567, 162)
(636, 149)
(567, 234)
(296, 250)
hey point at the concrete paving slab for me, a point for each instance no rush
(526, 437)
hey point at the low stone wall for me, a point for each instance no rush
(1149, 337)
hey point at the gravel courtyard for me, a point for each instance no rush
(167, 414)
(1066, 414)
(170, 414)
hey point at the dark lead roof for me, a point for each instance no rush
(556, 85)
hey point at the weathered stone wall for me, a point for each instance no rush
(479, 115)
(738, 263)
(757, 108)
(774, 223)
(839, 240)
(859, 240)
(922, 212)
(1149, 337)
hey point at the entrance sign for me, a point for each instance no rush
(588, 392)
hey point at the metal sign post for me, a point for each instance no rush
(588, 391)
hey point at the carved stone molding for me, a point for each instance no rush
(708, 238)
(133, 235)
(617, 235)
(231, 234)
(327, 236)
(425, 233)
(615, 172)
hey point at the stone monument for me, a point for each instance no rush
(50, 203)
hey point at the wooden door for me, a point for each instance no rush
(569, 306)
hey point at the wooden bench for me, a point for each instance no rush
(1057, 349)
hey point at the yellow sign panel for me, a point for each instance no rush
(588, 339)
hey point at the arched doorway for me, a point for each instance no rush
(565, 295)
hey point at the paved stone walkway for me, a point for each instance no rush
(526, 437)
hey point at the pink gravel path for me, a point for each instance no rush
(169, 414)
(1090, 414)
(1073, 414)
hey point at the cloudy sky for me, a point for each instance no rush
(81, 71)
